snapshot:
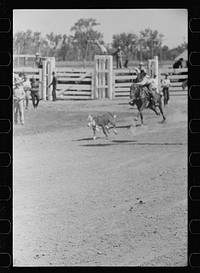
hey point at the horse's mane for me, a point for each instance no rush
(138, 91)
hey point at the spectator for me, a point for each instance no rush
(178, 64)
(165, 84)
(119, 55)
(126, 64)
(18, 99)
(27, 88)
(38, 60)
(54, 84)
(35, 93)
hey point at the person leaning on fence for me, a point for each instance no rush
(178, 64)
(27, 88)
(54, 84)
(165, 84)
(18, 100)
(119, 56)
(35, 93)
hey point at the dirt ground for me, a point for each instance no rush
(120, 201)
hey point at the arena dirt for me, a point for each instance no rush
(121, 201)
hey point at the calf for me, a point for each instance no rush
(101, 122)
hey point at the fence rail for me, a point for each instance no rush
(100, 82)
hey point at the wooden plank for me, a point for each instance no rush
(118, 78)
(75, 93)
(74, 87)
(125, 84)
(76, 97)
(69, 69)
(76, 75)
(73, 79)
(176, 77)
(173, 70)
(171, 88)
(178, 94)
(26, 70)
(121, 71)
(102, 86)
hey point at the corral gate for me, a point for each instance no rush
(103, 73)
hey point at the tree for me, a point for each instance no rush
(83, 31)
(53, 42)
(151, 42)
(128, 42)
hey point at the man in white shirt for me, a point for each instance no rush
(18, 99)
(165, 84)
(27, 88)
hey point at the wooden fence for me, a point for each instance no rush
(75, 83)
(31, 72)
(101, 82)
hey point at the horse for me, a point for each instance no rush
(140, 96)
(184, 84)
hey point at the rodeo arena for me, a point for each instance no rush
(100, 163)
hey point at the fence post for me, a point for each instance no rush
(110, 77)
(44, 80)
(51, 68)
(156, 72)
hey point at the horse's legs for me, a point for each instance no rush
(140, 111)
(161, 111)
(152, 107)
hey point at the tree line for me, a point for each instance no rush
(79, 45)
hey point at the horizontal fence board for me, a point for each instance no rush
(74, 87)
(123, 84)
(182, 93)
(27, 69)
(125, 94)
(171, 88)
(76, 75)
(173, 70)
(125, 89)
(75, 97)
(176, 77)
(120, 71)
(59, 79)
(71, 70)
(72, 92)
(129, 77)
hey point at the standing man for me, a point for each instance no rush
(35, 93)
(18, 99)
(119, 55)
(165, 84)
(38, 60)
(54, 83)
(27, 88)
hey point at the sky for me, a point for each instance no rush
(172, 23)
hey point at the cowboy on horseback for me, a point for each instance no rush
(144, 81)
